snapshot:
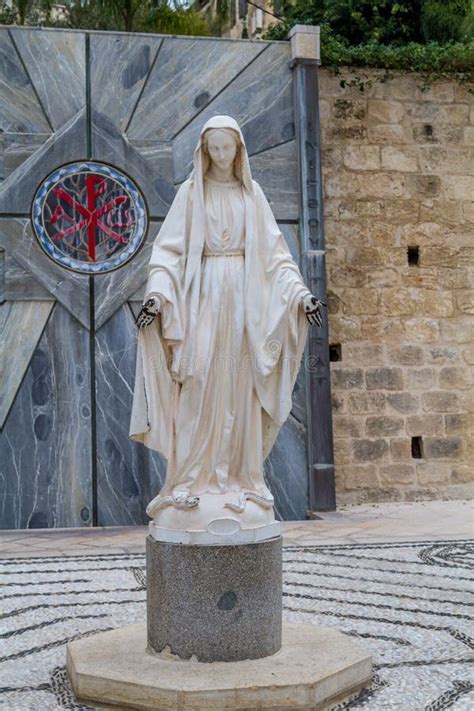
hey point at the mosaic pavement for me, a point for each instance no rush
(408, 603)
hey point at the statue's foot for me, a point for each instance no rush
(180, 499)
(265, 500)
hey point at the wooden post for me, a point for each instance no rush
(305, 61)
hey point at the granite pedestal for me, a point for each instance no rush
(220, 603)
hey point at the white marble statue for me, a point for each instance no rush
(221, 335)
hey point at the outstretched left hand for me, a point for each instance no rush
(312, 308)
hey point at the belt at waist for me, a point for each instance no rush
(223, 254)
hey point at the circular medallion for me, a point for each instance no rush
(89, 217)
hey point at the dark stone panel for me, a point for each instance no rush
(20, 284)
(260, 98)
(286, 471)
(128, 474)
(112, 290)
(120, 65)
(67, 144)
(188, 74)
(21, 326)
(20, 110)
(70, 289)
(15, 148)
(55, 62)
(45, 447)
(276, 171)
(155, 178)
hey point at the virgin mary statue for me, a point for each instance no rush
(221, 335)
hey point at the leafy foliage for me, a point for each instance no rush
(408, 35)
(161, 16)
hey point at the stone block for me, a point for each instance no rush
(454, 278)
(384, 378)
(359, 476)
(462, 474)
(432, 112)
(383, 425)
(418, 425)
(465, 302)
(421, 278)
(442, 256)
(383, 278)
(400, 449)
(458, 187)
(442, 447)
(347, 377)
(427, 303)
(421, 330)
(222, 603)
(446, 161)
(347, 109)
(406, 355)
(387, 330)
(397, 302)
(440, 401)
(342, 451)
(338, 402)
(402, 474)
(316, 668)
(363, 353)
(347, 426)
(362, 403)
(369, 450)
(403, 402)
(458, 330)
(360, 157)
(420, 378)
(343, 329)
(383, 185)
(459, 423)
(347, 275)
(442, 354)
(383, 111)
(432, 473)
(455, 378)
(444, 211)
(400, 159)
(440, 133)
(389, 134)
(360, 301)
(423, 185)
(364, 257)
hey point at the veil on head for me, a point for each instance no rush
(201, 159)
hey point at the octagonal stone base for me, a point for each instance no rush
(316, 668)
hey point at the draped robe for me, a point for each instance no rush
(244, 310)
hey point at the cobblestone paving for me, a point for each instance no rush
(408, 603)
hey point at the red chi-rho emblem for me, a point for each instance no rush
(89, 217)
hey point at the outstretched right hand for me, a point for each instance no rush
(147, 312)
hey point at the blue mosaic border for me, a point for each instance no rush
(77, 265)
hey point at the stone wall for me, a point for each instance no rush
(398, 166)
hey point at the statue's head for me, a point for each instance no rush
(221, 146)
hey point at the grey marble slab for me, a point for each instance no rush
(67, 144)
(187, 76)
(20, 284)
(56, 64)
(15, 148)
(260, 98)
(276, 170)
(20, 109)
(128, 474)
(45, 446)
(119, 67)
(286, 472)
(112, 290)
(69, 288)
(22, 326)
(154, 179)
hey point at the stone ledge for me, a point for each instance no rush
(315, 668)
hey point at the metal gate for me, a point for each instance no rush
(136, 102)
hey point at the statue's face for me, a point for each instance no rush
(222, 148)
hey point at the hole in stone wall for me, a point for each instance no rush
(417, 448)
(428, 129)
(413, 254)
(335, 352)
